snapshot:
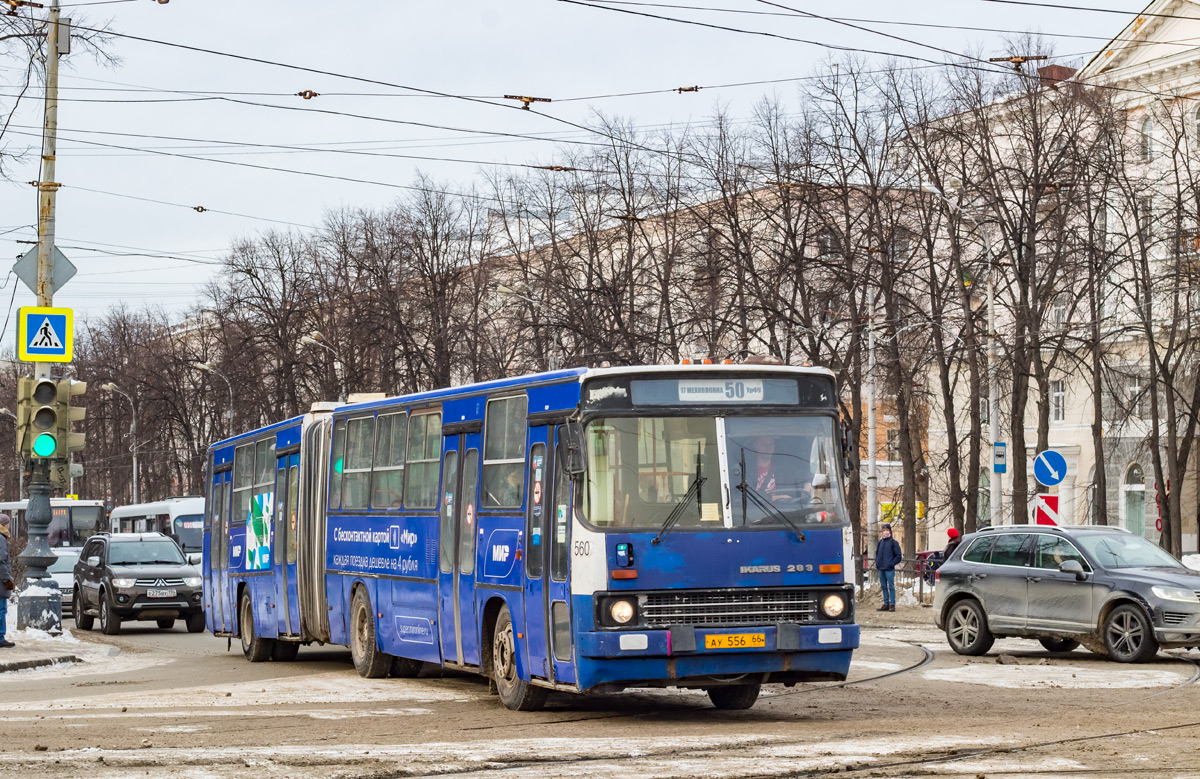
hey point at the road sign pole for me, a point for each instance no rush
(40, 602)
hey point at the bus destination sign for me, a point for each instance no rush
(721, 391)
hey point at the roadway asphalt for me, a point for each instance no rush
(148, 701)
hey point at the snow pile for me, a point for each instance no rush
(41, 636)
(40, 591)
(1192, 561)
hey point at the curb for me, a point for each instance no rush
(41, 662)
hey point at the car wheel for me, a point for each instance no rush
(110, 623)
(369, 660)
(82, 621)
(967, 630)
(1129, 636)
(734, 697)
(285, 651)
(515, 693)
(195, 622)
(1059, 644)
(256, 649)
(166, 623)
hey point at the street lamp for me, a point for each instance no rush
(110, 387)
(208, 367)
(993, 385)
(555, 357)
(315, 338)
(21, 466)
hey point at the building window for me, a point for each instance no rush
(1134, 492)
(892, 449)
(1058, 401)
(985, 410)
(1147, 139)
(1138, 398)
(1059, 312)
(828, 245)
(1145, 217)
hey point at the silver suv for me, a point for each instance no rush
(1106, 588)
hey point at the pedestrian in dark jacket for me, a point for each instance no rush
(887, 557)
(6, 582)
(952, 544)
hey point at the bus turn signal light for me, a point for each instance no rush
(831, 568)
(627, 573)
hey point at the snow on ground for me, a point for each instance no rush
(1100, 676)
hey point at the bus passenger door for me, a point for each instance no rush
(218, 560)
(558, 587)
(537, 545)
(284, 564)
(468, 543)
(448, 554)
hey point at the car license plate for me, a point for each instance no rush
(160, 593)
(736, 641)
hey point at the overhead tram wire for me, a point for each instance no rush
(1093, 9)
(984, 66)
(331, 176)
(896, 22)
(195, 208)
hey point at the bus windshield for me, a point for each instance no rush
(190, 529)
(725, 472)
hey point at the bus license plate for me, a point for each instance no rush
(160, 593)
(736, 641)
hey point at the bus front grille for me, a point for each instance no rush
(728, 607)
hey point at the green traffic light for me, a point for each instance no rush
(44, 445)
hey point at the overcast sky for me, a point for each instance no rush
(545, 48)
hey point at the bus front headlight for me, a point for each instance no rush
(621, 611)
(834, 605)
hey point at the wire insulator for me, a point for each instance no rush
(308, 94)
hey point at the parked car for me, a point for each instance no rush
(1106, 588)
(136, 576)
(63, 571)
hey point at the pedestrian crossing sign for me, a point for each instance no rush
(45, 334)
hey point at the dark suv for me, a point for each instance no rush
(1106, 588)
(135, 576)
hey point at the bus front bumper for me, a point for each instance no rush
(685, 640)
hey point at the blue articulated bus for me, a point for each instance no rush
(580, 530)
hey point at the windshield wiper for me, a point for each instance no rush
(677, 512)
(763, 503)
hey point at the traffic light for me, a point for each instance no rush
(69, 441)
(44, 423)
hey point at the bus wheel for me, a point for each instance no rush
(110, 624)
(515, 693)
(255, 649)
(369, 661)
(285, 651)
(735, 696)
(82, 621)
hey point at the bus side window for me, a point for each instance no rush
(356, 473)
(504, 452)
(387, 478)
(243, 481)
(424, 461)
(337, 462)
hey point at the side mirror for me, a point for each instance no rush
(195, 558)
(93, 561)
(849, 451)
(1073, 566)
(572, 451)
(820, 480)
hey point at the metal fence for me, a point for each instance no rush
(913, 574)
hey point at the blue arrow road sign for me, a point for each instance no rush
(1049, 467)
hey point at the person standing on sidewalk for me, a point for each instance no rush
(887, 557)
(6, 582)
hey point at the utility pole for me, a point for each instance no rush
(41, 605)
(993, 389)
(872, 476)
